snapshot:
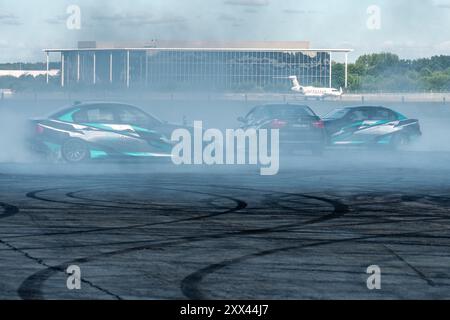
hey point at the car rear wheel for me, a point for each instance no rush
(75, 151)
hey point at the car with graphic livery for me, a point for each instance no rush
(100, 130)
(370, 126)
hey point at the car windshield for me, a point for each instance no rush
(337, 114)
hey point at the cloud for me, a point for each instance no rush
(9, 19)
(131, 19)
(443, 46)
(228, 17)
(442, 4)
(248, 3)
(297, 11)
(251, 10)
(326, 23)
(235, 21)
(61, 19)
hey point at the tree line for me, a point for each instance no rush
(387, 72)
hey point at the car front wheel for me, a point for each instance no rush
(75, 151)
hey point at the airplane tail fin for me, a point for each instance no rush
(295, 81)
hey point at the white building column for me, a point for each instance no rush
(146, 68)
(128, 68)
(78, 67)
(62, 69)
(331, 70)
(95, 68)
(48, 67)
(346, 70)
(111, 68)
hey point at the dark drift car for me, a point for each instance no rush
(300, 128)
(101, 130)
(370, 126)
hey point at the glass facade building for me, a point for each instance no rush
(195, 68)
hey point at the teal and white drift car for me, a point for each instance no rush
(101, 130)
(370, 126)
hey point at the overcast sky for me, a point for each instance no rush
(411, 28)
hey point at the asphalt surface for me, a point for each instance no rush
(156, 231)
(170, 233)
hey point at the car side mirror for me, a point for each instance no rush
(242, 119)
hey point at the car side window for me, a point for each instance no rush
(358, 115)
(384, 114)
(94, 115)
(81, 116)
(136, 117)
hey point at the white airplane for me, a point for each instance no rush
(6, 93)
(314, 92)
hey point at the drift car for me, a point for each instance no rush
(300, 128)
(370, 126)
(101, 130)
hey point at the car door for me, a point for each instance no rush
(146, 127)
(382, 121)
(353, 122)
(104, 129)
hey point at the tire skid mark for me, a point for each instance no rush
(24, 290)
(8, 210)
(37, 280)
(195, 284)
(385, 222)
(240, 205)
(35, 195)
(190, 285)
(29, 292)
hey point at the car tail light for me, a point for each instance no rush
(319, 124)
(278, 124)
(39, 129)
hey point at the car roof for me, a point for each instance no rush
(279, 105)
(88, 104)
(364, 107)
